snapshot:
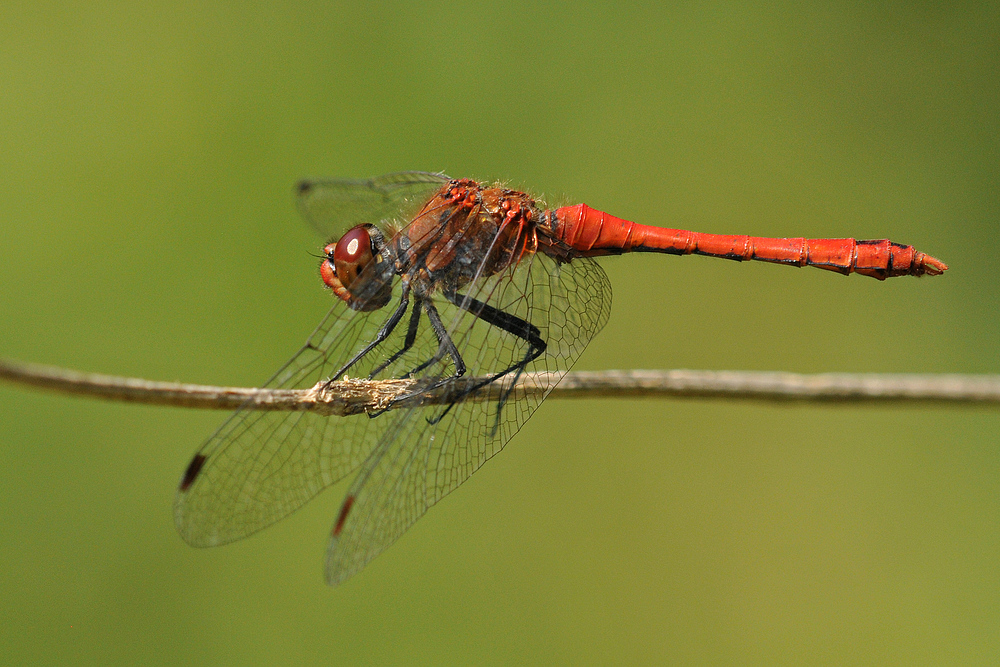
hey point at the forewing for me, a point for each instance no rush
(425, 453)
(333, 206)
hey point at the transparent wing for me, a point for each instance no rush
(334, 206)
(425, 453)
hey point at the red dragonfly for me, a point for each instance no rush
(490, 285)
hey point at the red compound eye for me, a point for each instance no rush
(351, 255)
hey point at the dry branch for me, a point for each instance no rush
(352, 396)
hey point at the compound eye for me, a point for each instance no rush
(351, 255)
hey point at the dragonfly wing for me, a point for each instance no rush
(333, 206)
(427, 452)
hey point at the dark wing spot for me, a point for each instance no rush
(344, 511)
(192, 471)
(303, 187)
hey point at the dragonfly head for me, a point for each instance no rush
(355, 269)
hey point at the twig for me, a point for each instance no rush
(352, 396)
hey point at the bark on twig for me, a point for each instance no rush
(353, 396)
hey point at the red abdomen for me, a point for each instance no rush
(591, 233)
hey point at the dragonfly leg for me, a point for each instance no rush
(380, 336)
(512, 324)
(411, 336)
(447, 346)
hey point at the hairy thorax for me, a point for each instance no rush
(466, 232)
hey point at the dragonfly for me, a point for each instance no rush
(439, 280)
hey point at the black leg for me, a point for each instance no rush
(510, 323)
(382, 334)
(411, 337)
(447, 345)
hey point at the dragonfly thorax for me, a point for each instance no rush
(467, 232)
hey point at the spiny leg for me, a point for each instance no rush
(411, 337)
(512, 324)
(380, 336)
(447, 345)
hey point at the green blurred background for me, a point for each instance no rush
(148, 228)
